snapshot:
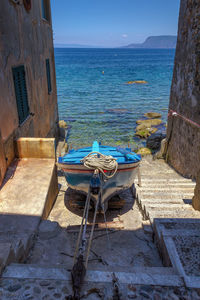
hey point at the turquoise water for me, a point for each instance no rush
(96, 102)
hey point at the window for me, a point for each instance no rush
(48, 76)
(45, 9)
(19, 78)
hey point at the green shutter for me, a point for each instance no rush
(43, 9)
(19, 78)
(48, 76)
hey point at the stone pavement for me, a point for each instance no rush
(34, 289)
(127, 265)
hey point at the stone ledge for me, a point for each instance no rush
(147, 276)
(167, 235)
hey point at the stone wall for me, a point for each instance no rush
(2, 161)
(26, 39)
(183, 151)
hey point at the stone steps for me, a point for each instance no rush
(20, 244)
(164, 193)
(144, 275)
(7, 255)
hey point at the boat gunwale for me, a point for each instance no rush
(81, 168)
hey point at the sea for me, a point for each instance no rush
(95, 99)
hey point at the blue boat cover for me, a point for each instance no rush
(123, 155)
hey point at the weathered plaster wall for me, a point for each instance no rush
(26, 39)
(183, 137)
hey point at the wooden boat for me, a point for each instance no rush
(79, 177)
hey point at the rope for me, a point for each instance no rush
(100, 162)
(175, 114)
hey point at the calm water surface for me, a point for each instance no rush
(96, 102)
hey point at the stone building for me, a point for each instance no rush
(28, 96)
(183, 134)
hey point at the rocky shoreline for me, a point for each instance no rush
(153, 130)
(150, 131)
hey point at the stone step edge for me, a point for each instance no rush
(153, 216)
(155, 179)
(157, 194)
(161, 201)
(30, 272)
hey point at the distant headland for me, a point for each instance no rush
(162, 41)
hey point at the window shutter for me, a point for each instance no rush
(43, 9)
(48, 76)
(19, 78)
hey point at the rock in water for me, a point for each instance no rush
(145, 133)
(62, 124)
(137, 82)
(162, 152)
(152, 115)
(144, 151)
(154, 141)
(150, 122)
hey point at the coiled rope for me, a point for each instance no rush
(98, 161)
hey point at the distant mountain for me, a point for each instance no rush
(74, 46)
(162, 41)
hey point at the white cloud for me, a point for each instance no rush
(125, 35)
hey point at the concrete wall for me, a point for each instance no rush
(35, 148)
(26, 39)
(183, 137)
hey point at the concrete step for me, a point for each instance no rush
(163, 207)
(148, 276)
(7, 255)
(21, 243)
(160, 184)
(173, 214)
(156, 178)
(167, 201)
(167, 189)
(146, 195)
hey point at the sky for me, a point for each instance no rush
(112, 23)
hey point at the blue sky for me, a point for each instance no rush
(112, 23)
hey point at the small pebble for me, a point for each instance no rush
(157, 297)
(144, 294)
(146, 288)
(57, 295)
(65, 290)
(132, 296)
(36, 290)
(132, 287)
(14, 288)
(50, 288)
(44, 283)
